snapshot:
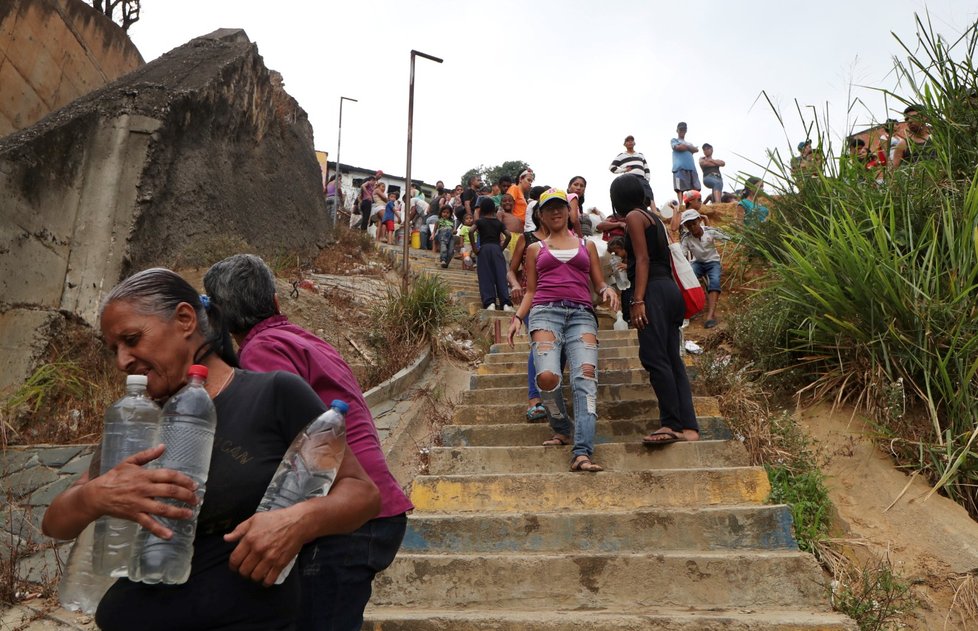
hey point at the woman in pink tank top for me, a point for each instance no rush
(557, 309)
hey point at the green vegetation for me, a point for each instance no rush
(403, 322)
(874, 597)
(875, 284)
(797, 481)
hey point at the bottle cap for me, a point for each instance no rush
(136, 380)
(340, 405)
(197, 371)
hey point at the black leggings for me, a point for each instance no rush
(658, 350)
(365, 210)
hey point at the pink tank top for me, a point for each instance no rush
(558, 281)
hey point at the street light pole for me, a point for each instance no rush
(407, 175)
(339, 180)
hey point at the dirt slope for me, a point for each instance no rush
(932, 542)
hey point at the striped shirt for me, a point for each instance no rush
(625, 160)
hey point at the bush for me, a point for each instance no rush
(405, 321)
(874, 285)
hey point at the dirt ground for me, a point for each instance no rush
(931, 542)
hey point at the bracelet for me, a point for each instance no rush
(604, 289)
(638, 302)
(517, 317)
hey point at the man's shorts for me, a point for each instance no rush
(685, 180)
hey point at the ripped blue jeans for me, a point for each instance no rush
(569, 323)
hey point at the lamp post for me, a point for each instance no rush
(339, 180)
(407, 175)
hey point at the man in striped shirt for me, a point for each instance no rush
(632, 162)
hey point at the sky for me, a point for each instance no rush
(560, 83)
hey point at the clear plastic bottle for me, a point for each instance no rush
(132, 424)
(187, 430)
(310, 464)
(81, 588)
(620, 276)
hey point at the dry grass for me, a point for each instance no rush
(63, 400)
(964, 605)
(865, 587)
(437, 412)
(352, 253)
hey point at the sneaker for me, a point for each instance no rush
(508, 308)
(444, 264)
(709, 324)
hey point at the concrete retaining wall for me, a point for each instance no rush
(52, 52)
(199, 148)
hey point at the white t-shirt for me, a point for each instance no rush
(528, 220)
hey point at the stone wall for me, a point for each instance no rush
(201, 146)
(51, 53)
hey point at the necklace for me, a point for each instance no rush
(224, 385)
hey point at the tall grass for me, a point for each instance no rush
(404, 321)
(879, 283)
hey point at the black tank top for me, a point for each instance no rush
(660, 265)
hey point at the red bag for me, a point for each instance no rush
(689, 285)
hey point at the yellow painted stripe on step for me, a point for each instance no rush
(513, 493)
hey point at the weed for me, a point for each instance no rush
(404, 322)
(872, 595)
(63, 399)
(437, 412)
(352, 252)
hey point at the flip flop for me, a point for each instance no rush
(670, 437)
(556, 441)
(536, 413)
(583, 463)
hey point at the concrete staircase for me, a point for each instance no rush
(677, 537)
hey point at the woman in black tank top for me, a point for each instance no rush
(657, 311)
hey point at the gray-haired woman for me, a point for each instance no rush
(156, 324)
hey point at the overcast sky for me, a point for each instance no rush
(560, 83)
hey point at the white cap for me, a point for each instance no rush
(135, 380)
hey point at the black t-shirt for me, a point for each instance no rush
(489, 229)
(470, 195)
(258, 415)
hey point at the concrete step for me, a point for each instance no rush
(651, 619)
(741, 579)
(475, 412)
(604, 352)
(523, 346)
(606, 375)
(606, 392)
(608, 490)
(606, 322)
(612, 456)
(765, 527)
(519, 366)
(525, 434)
(604, 338)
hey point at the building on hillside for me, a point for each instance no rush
(351, 177)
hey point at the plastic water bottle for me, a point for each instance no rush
(81, 588)
(309, 466)
(131, 425)
(620, 276)
(187, 430)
